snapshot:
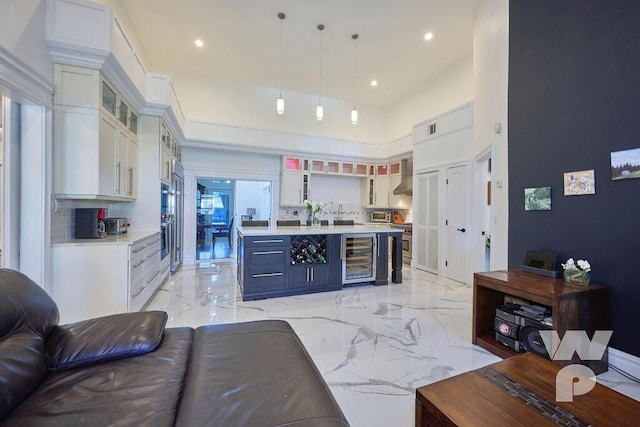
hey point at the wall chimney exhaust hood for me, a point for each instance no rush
(406, 184)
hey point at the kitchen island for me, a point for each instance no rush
(280, 261)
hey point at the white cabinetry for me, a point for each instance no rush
(294, 181)
(107, 277)
(381, 196)
(95, 142)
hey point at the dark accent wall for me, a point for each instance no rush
(574, 97)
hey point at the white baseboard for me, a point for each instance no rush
(625, 361)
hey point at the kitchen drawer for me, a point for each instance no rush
(137, 299)
(138, 251)
(266, 241)
(267, 256)
(265, 281)
(138, 268)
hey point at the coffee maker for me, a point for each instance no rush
(90, 223)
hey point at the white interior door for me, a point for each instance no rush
(458, 247)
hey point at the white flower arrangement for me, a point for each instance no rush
(582, 264)
(315, 206)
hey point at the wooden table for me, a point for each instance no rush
(518, 392)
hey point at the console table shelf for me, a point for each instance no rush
(573, 307)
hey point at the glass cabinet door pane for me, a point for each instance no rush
(133, 123)
(108, 98)
(123, 113)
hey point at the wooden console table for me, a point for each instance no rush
(518, 391)
(573, 307)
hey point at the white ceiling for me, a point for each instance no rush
(242, 42)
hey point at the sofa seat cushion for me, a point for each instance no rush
(136, 391)
(254, 373)
(105, 338)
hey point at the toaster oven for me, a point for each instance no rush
(116, 225)
(380, 216)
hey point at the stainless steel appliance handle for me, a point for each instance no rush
(266, 252)
(139, 264)
(268, 241)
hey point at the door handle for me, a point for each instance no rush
(462, 230)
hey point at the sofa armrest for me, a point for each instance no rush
(104, 338)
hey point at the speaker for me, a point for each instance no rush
(530, 338)
(514, 345)
(506, 328)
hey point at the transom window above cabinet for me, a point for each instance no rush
(123, 113)
(109, 98)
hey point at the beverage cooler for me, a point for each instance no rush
(358, 258)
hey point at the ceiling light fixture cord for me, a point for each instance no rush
(354, 112)
(319, 108)
(280, 100)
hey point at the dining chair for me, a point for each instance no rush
(343, 222)
(288, 223)
(256, 223)
(222, 231)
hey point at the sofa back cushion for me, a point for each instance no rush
(27, 317)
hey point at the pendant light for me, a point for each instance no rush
(319, 108)
(354, 112)
(280, 99)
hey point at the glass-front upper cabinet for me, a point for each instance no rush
(362, 169)
(123, 113)
(292, 164)
(108, 98)
(133, 123)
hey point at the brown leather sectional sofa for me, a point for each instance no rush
(128, 370)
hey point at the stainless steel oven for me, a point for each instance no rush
(166, 220)
(407, 241)
(165, 237)
(407, 247)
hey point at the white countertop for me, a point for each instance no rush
(128, 238)
(327, 229)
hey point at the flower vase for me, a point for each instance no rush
(577, 276)
(315, 222)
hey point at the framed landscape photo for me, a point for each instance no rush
(625, 164)
(537, 199)
(579, 183)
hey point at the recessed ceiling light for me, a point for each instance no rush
(374, 83)
(428, 36)
(199, 43)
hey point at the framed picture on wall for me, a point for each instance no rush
(625, 164)
(537, 199)
(579, 183)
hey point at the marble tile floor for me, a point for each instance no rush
(373, 345)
